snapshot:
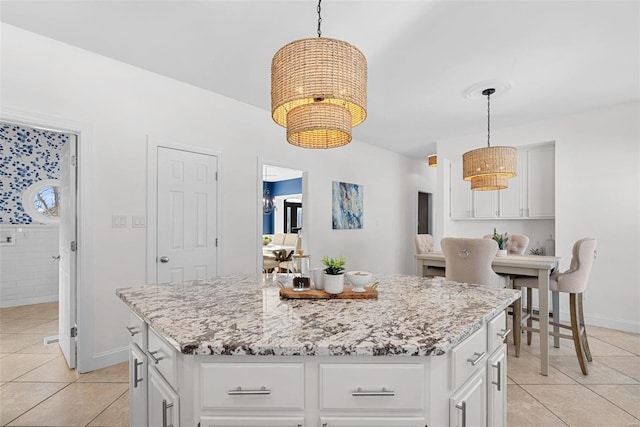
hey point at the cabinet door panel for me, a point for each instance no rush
(137, 387)
(541, 174)
(372, 422)
(512, 199)
(460, 193)
(485, 204)
(468, 405)
(265, 421)
(497, 384)
(164, 405)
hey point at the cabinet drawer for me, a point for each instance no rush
(163, 357)
(137, 331)
(497, 332)
(379, 386)
(252, 385)
(468, 356)
(251, 421)
(372, 422)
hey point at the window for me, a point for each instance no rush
(41, 200)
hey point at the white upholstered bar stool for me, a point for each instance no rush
(424, 244)
(574, 282)
(469, 261)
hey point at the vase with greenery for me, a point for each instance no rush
(333, 274)
(501, 241)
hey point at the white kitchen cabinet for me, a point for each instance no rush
(460, 192)
(530, 194)
(265, 421)
(541, 182)
(468, 405)
(137, 386)
(371, 422)
(497, 388)
(163, 402)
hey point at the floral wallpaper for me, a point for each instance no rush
(27, 155)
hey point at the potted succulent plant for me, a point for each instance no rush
(502, 242)
(333, 279)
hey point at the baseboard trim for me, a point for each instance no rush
(27, 301)
(104, 359)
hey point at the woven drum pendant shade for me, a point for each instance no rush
(319, 125)
(489, 182)
(490, 167)
(328, 78)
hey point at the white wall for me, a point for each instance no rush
(597, 195)
(117, 105)
(27, 273)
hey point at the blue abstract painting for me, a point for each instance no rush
(347, 206)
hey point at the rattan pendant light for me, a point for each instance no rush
(489, 168)
(319, 90)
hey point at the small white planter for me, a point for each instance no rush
(502, 252)
(333, 283)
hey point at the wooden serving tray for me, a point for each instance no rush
(289, 293)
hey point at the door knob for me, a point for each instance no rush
(164, 259)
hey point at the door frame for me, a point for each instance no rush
(85, 155)
(306, 215)
(153, 143)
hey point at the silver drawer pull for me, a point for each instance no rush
(154, 358)
(133, 330)
(478, 357)
(463, 408)
(239, 391)
(498, 383)
(136, 380)
(165, 407)
(504, 333)
(384, 392)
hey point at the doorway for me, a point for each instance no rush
(39, 220)
(425, 213)
(186, 233)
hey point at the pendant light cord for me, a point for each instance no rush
(488, 119)
(319, 18)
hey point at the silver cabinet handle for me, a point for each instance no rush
(136, 380)
(164, 259)
(463, 407)
(504, 333)
(498, 383)
(154, 358)
(133, 330)
(478, 357)
(165, 407)
(384, 392)
(55, 258)
(239, 391)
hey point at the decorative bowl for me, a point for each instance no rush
(359, 279)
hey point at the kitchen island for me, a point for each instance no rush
(229, 351)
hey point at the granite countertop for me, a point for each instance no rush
(244, 315)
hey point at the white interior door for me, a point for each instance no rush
(67, 284)
(186, 215)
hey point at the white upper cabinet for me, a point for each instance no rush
(541, 178)
(530, 195)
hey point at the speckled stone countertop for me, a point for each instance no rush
(244, 315)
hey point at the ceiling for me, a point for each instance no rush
(554, 58)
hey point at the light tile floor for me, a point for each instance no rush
(38, 389)
(36, 386)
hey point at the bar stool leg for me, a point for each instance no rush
(517, 323)
(575, 329)
(529, 313)
(583, 328)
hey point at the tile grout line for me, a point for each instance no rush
(543, 405)
(613, 403)
(108, 406)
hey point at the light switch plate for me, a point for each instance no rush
(138, 221)
(118, 221)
